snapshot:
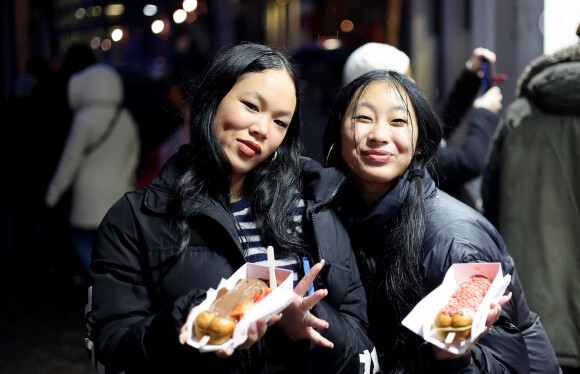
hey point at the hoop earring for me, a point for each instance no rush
(275, 156)
(328, 154)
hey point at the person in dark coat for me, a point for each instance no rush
(382, 133)
(216, 204)
(530, 193)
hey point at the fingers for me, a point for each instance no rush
(315, 337)
(474, 62)
(184, 332)
(310, 320)
(256, 331)
(308, 278)
(491, 100)
(274, 319)
(494, 92)
(493, 315)
(223, 353)
(485, 53)
(308, 302)
(505, 299)
(183, 336)
(495, 309)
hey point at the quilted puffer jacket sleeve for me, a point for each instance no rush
(517, 343)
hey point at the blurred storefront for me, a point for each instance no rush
(176, 38)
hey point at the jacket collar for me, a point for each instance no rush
(365, 219)
(320, 184)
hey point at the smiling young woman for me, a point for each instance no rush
(383, 134)
(252, 120)
(379, 136)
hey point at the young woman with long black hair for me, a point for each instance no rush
(382, 133)
(217, 204)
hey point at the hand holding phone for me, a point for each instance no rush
(486, 80)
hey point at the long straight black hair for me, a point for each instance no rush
(273, 184)
(396, 283)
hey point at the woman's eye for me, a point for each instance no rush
(250, 105)
(362, 118)
(281, 123)
(399, 122)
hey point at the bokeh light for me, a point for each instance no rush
(157, 26)
(189, 5)
(179, 16)
(117, 34)
(96, 11)
(80, 13)
(106, 44)
(113, 10)
(346, 26)
(95, 43)
(150, 10)
(331, 44)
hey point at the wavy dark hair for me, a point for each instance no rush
(273, 185)
(396, 282)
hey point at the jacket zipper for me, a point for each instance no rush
(313, 210)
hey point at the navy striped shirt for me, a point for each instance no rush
(254, 249)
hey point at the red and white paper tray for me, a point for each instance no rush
(420, 319)
(272, 304)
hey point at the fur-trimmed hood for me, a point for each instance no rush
(552, 82)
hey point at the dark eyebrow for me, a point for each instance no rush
(262, 101)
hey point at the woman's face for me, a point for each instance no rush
(379, 140)
(253, 118)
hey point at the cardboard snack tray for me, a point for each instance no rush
(272, 304)
(420, 319)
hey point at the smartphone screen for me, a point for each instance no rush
(486, 79)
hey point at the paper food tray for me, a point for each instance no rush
(272, 304)
(420, 319)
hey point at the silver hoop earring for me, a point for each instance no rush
(328, 154)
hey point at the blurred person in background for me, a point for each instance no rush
(100, 157)
(454, 166)
(531, 193)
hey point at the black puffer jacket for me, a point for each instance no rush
(142, 291)
(456, 233)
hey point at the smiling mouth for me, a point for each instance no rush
(249, 148)
(378, 156)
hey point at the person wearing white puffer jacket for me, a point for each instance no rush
(100, 156)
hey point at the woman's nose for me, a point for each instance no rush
(260, 127)
(379, 133)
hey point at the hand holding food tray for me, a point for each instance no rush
(424, 318)
(271, 304)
